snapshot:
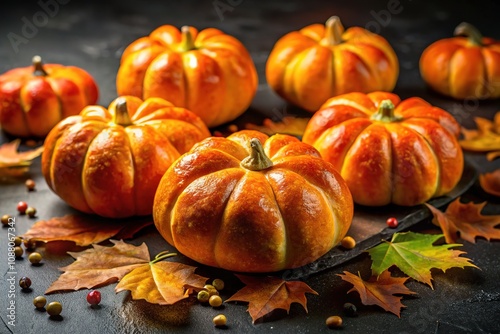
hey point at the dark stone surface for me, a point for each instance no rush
(93, 34)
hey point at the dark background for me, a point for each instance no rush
(93, 34)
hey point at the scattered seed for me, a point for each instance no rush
(35, 258)
(21, 207)
(220, 320)
(203, 296)
(29, 244)
(218, 284)
(392, 222)
(215, 301)
(18, 251)
(348, 243)
(54, 308)
(24, 282)
(39, 302)
(6, 219)
(31, 212)
(350, 310)
(211, 290)
(334, 321)
(30, 184)
(94, 297)
(18, 241)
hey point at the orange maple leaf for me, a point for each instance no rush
(485, 139)
(490, 182)
(14, 163)
(163, 283)
(100, 265)
(9, 156)
(467, 220)
(265, 294)
(84, 230)
(379, 291)
(157, 282)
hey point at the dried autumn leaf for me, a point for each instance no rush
(486, 138)
(265, 294)
(415, 255)
(14, 163)
(163, 283)
(490, 182)
(9, 156)
(289, 125)
(466, 219)
(100, 265)
(379, 291)
(492, 155)
(83, 230)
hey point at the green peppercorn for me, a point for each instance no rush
(25, 283)
(215, 301)
(6, 219)
(218, 284)
(29, 244)
(18, 251)
(54, 308)
(211, 289)
(350, 310)
(220, 320)
(31, 212)
(203, 296)
(35, 258)
(39, 301)
(18, 241)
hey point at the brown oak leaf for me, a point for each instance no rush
(84, 230)
(100, 265)
(265, 294)
(163, 283)
(485, 139)
(490, 182)
(288, 125)
(379, 291)
(467, 220)
(14, 163)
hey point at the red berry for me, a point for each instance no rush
(21, 207)
(94, 297)
(392, 222)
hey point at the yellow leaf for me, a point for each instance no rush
(163, 283)
(486, 138)
(14, 163)
(10, 157)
